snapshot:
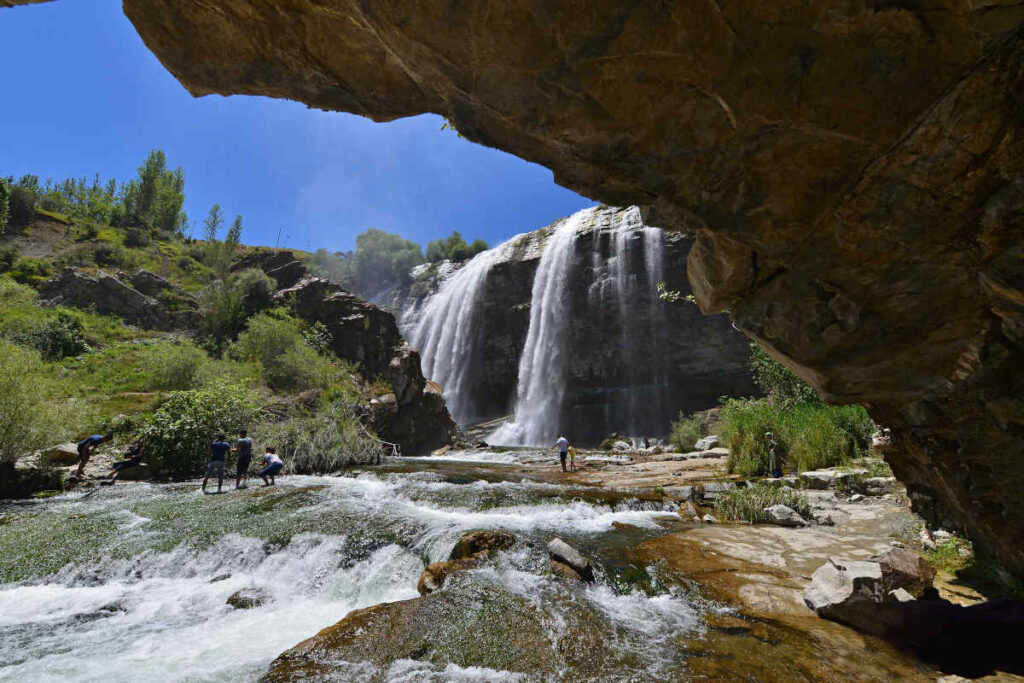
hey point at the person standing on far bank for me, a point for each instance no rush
(563, 450)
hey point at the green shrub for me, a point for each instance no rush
(331, 439)
(748, 503)
(276, 341)
(179, 433)
(225, 305)
(685, 433)
(8, 255)
(21, 207)
(173, 365)
(29, 271)
(57, 337)
(257, 289)
(809, 436)
(110, 254)
(135, 237)
(778, 381)
(5, 203)
(30, 415)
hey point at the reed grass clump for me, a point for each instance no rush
(748, 503)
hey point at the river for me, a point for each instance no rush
(130, 582)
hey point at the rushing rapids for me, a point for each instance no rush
(130, 583)
(563, 328)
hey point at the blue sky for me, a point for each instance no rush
(82, 94)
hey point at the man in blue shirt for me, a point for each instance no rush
(218, 460)
(86, 447)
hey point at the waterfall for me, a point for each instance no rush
(446, 332)
(543, 366)
(589, 355)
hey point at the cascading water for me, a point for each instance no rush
(542, 366)
(446, 333)
(477, 340)
(132, 585)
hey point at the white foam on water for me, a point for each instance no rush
(165, 620)
(489, 457)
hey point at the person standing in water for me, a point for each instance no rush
(86, 447)
(218, 460)
(274, 465)
(563, 450)
(243, 447)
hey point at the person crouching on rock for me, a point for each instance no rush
(218, 459)
(274, 465)
(243, 447)
(563, 450)
(86, 447)
(133, 457)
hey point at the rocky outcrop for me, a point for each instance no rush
(413, 418)
(22, 481)
(278, 264)
(852, 173)
(108, 295)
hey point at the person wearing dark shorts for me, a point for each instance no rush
(218, 460)
(86, 447)
(133, 458)
(243, 447)
(274, 465)
(563, 450)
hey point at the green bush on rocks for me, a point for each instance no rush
(179, 433)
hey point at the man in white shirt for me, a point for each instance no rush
(563, 450)
(274, 466)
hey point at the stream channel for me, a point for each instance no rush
(130, 583)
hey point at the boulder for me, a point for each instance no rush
(405, 375)
(709, 519)
(23, 481)
(781, 515)
(849, 591)
(879, 486)
(713, 489)
(248, 598)
(475, 542)
(278, 264)
(61, 455)
(564, 571)
(706, 444)
(432, 578)
(680, 492)
(823, 518)
(689, 511)
(905, 570)
(141, 472)
(105, 294)
(818, 479)
(622, 447)
(562, 552)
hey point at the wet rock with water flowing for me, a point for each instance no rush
(563, 328)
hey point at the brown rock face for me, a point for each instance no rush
(852, 170)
